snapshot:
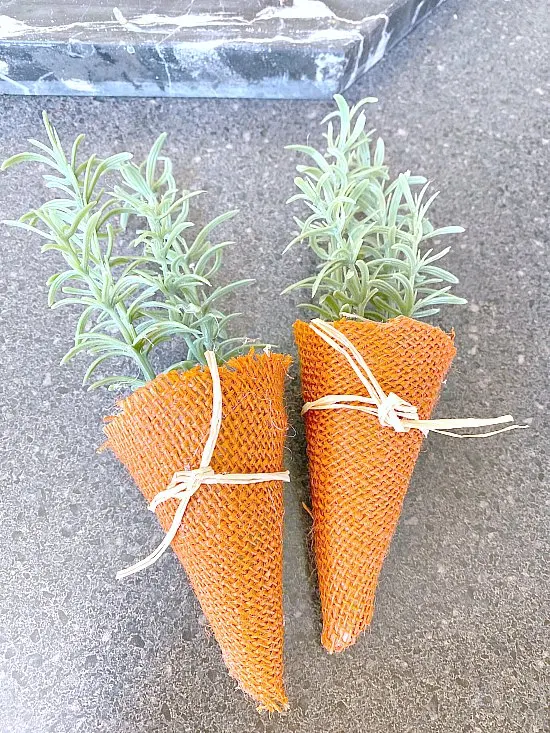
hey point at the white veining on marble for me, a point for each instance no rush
(329, 68)
(166, 65)
(299, 9)
(155, 23)
(328, 34)
(23, 89)
(417, 12)
(358, 56)
(5, 76)
(231, 88)
(11, 27)
(79, 85)
(375, 54)
(148, 21)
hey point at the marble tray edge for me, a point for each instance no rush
(287, 57)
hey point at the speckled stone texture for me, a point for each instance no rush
(458, 641)
(198, 48)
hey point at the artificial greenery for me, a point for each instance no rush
(369, 232)
(133, 298)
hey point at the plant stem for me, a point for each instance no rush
(129, 335)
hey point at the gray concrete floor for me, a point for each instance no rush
(458, 640)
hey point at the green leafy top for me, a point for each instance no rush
(369, 232)
(135, 299)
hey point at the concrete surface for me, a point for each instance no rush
(458, 640)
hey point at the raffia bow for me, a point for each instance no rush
(391, 410)
(184, 484)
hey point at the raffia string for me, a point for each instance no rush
(185, 483)
(391, 410)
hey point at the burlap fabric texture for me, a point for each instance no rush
(230, 539)
(359, 471)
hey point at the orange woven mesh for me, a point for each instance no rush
(359, 471)
(230, 539)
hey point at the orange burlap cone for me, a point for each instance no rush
(360, 471)
(230, 539)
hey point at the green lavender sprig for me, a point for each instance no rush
(131, 301)
(368, 231)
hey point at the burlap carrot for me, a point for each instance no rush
(359, 471)
(369, 384)
(230, 538)
(204, 439)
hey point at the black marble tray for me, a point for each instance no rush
(199, 48)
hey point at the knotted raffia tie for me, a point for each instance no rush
(392, 411)
(185, 483)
